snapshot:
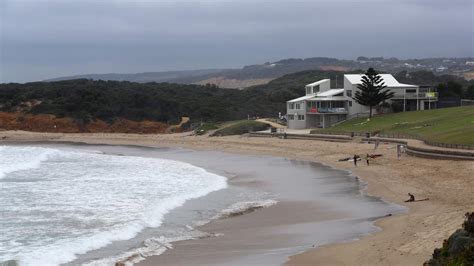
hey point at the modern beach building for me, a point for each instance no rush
(323, 106)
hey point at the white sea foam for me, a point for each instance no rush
(240, 208)
(21, 158)
(75, 202)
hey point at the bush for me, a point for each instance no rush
(204, 128)
(458, 249)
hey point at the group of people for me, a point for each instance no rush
(357, 157)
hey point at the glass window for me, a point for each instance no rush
(349, 93)
(291, 117)
(410, 90)
(300, 117)
(316, 89)
(350, 103)
(308, 90)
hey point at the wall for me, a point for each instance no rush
(297, 124)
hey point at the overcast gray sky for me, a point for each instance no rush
(46, 39)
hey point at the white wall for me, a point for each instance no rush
(325, 86)
(297, 124)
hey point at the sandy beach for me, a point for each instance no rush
(406, 239)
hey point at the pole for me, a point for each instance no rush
(404, 100)
(417, 99)
(429, 98)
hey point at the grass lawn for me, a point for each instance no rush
(449, 125)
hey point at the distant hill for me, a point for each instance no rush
(165, 76)
(259, 74)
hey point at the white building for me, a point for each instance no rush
(323, 106)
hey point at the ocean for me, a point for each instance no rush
(56, 204)
(94, 205)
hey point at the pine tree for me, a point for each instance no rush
(371, 92)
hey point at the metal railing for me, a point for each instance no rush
(326, 110)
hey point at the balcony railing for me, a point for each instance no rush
(327, 110)
(423, 95)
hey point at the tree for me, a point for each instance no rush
(470, 92)
(371, 92)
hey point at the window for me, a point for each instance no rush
(298, 106)
(316, 89)
(349, 93)
(300, 117)
(410, 90)
(350, 103)
(291, 117)
(337, 104)
(308, 90)
(291, 106)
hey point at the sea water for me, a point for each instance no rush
(56, 204)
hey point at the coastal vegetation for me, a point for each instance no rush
(448, 125)
(458, 249)
(205, 127)
(85, 101)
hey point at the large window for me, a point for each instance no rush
(291, 117)
(291, 106)
(316, 89)
(298, 106)
(338, 104)
(308, 90)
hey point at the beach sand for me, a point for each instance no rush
(406, 239)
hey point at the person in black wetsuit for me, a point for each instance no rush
(355, 159)
(411, 199)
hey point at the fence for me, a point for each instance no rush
(452, 146)
(397, 136)
(465, 102)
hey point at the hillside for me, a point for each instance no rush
(259, 74)
(448, 125)
(165, 76)
(85, 101)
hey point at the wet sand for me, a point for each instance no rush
(406, 239)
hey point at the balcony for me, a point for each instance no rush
(421, 95)
(327, 111)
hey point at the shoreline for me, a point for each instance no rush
(403, 239)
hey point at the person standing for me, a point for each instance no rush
(367, 159)
(355, 159)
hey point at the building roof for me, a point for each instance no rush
(330, 92)
(389, 80)
(317, 83)
(301, 98)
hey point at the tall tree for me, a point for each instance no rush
(371, 92)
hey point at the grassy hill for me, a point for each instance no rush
(449, 125)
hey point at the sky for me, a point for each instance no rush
(46, 39)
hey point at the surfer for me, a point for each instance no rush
(355, 159)
(411, 199)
